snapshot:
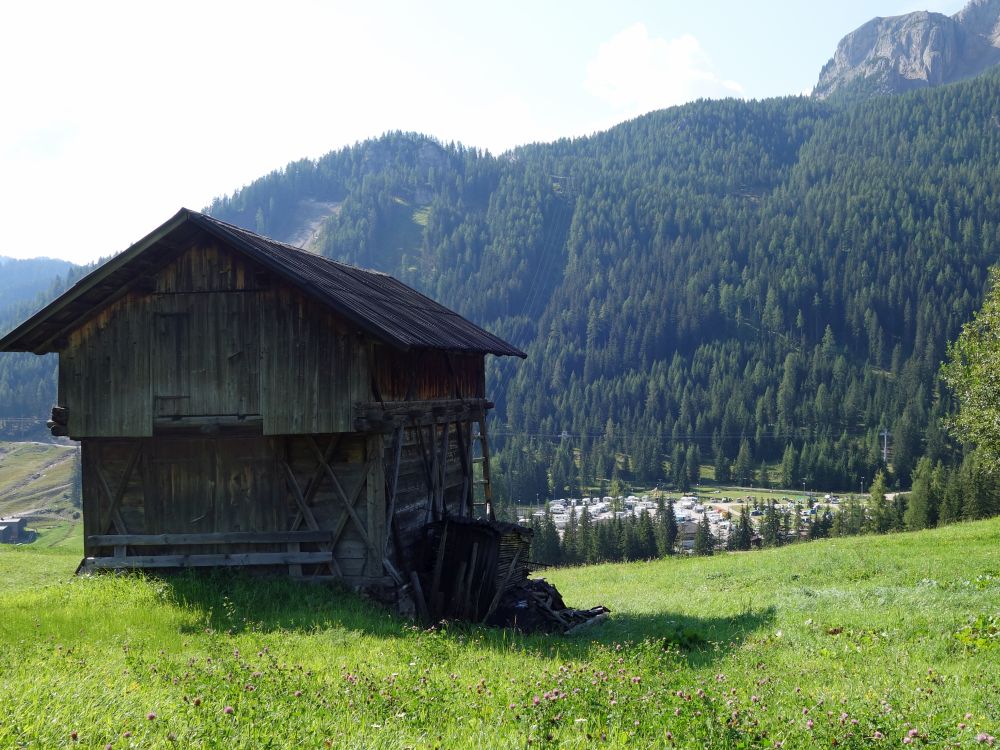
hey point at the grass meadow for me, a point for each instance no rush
(857, 642)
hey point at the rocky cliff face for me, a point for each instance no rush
(892, 55)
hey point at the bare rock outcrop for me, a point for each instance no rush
(916, 50)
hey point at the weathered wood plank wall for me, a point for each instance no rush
(104, 372)
(205, 485)
(425, 375)
(313, 366)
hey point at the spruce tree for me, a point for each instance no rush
(586, 540)
(722, 475)
(647, 536)
(743, 534)
(951, 502)
(878, 507)
(789, 467)
(692, 463)
(919, 506)
(770, 529)
(743, 468)
(570, 540)
(703, 541)
(670, 529)
(660, 527)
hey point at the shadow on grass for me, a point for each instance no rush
(699, 640)
(234, 602)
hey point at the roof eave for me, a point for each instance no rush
(19, 339)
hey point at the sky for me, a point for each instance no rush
(113, 115)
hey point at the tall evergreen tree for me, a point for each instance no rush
(921, 508)
(743, 533)
(704, 544)
(668, 523)
(882, 517)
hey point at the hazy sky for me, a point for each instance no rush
(114, 115)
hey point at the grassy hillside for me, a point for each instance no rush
(840, 642)
(36, 479)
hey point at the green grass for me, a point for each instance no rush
(66, 534)
(858, 636)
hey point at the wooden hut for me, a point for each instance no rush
(241, 402)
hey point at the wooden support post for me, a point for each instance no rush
(442, 465)
(428, 470)
(375, 486)
(391, 483)
(465, 457)
(294, 569)
(438, 565)
(435, 474)
(487, 487)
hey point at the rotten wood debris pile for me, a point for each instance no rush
(477, 570)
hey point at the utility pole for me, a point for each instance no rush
(885, 446)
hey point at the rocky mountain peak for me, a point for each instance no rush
(915, 50)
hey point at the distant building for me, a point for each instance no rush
(14, 530)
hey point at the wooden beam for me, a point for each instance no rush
(218, 537)
(317, 478)
(349, 503)
(306, 513)
(300, 500)
(203, 561)
(385, 416)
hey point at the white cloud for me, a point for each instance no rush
(637, 73)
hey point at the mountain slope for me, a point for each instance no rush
(780, 273)
(23, 280)
(27, 381)
(916, 50)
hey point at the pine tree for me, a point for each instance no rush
(570, 540)
(879, 511)
(789, 467)
(743, 534)
(669, 524)
(647, 536)
(703, 541)
(721, 464)
(551, 549)
(586, 539)
(921, 511)
(743, 468)
(692, 463)
(660, 527)
(951, 503)
(770, 528)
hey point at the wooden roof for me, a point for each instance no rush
(375, 302)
